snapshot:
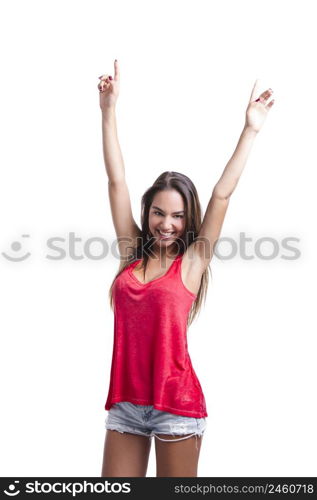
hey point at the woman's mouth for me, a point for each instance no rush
(165, 236)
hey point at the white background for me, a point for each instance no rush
(187, 70)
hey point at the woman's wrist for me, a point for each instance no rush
(249, 131)
(109, 111)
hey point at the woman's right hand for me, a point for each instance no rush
(109, 89)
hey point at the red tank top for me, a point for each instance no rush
(150, 360)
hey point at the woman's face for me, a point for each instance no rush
(167, 215)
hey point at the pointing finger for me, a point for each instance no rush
(116, 70)
(254, 90)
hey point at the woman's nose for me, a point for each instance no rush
(167, 226)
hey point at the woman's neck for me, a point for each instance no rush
(164, 254)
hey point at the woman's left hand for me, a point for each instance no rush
(258, 108)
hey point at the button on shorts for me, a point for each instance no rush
(145, 420)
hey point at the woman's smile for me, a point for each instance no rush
(165, 235)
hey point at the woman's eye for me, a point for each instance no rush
(158, 213)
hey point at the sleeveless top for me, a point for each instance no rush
(150, 360)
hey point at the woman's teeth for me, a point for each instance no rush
(165, 234)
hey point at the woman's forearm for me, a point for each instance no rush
(233, 170)
(111, 147)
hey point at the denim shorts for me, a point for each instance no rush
(145, 420)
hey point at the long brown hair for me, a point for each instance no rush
(193, 219)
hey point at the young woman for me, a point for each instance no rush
(157, 292)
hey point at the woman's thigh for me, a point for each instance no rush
(179, 458)
(177, 443)
(125, 454)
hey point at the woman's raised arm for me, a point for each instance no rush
(108, 94)
(209, 233)
(126, 228)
